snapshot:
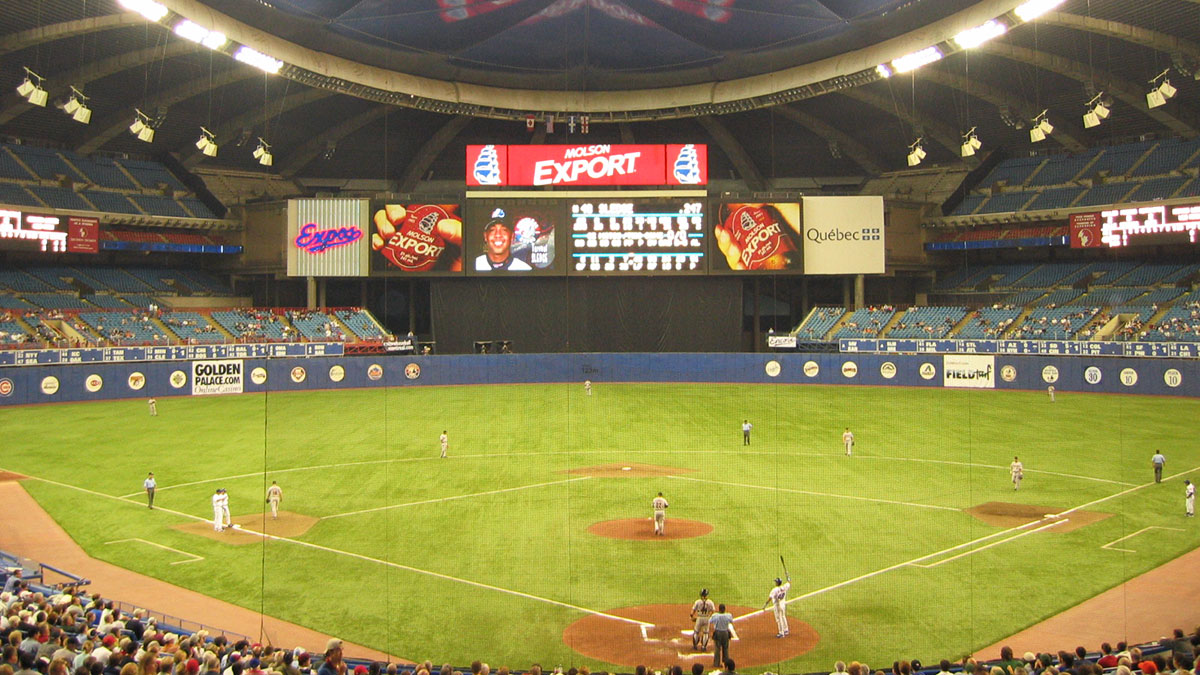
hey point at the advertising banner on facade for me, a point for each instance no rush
(843, 235)
(586, 165)
(973, 371)
(327, 237)
(217, 377)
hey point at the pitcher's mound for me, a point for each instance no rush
(1005, 514)
(669, 639)
(287, 525)
(643, 528)
(628, 470)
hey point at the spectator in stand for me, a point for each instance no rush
(333, 664)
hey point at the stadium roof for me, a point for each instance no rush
(780, 88)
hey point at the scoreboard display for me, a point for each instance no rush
(637, 236)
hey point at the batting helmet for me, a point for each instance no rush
(778, 581)
(704, 592)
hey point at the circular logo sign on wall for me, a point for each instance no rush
(887, 370)
(412, 371)
(6, 387)
(811, 368)
(1092, 375)
(1050, 374)
(772, 368)
(1172, 378)
(1008, 373)
(849, 369)
(337, 373)
(136, 381)
(93, 383)
(927, 371)
(258, 375)
(374, 372)
(1129, 377)
(50, 385)
(178, 379)
(299, 374)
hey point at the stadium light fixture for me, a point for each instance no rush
(915, 60)
(1097, 111)
(31, 89)
(1041, 128)
(148, 8)
(258, 60)
(916, 152)
(77, 108)
(207, 143)
(142, 127)
(1035, 8)
(190, 30)
(1162, 90)
(883, 70)
(970, 143)
(263, 153)
(973, 37)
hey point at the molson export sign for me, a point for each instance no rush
(588, 165)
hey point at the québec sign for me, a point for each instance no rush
(573, 165)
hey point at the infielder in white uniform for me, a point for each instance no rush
(1189, 498)
(848, 440)
(274, 496)
(227, 520)
(702, 610)
(1017, 469)
(218, 511)
(445, 440)
(1050, 391)
(587, 386)
(660, 514)
(778, 598)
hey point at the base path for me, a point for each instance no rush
(27, 530)
(669, 639)
(1140, 610)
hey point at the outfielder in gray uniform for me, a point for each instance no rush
(702, 610)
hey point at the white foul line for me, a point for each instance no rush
(817, 494)
(455, 497)
(359, 556)
(1052, 523)
(193, 556)
(1110, 546)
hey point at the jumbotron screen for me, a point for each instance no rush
(637, 236)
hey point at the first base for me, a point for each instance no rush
(627, 468)
(236, 526)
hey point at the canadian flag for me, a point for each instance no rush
(530, 122)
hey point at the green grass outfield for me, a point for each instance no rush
(486, 554)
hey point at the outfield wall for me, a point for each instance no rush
(99, 381)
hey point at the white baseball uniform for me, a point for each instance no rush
(702, 610)
(1017, 470)
(274, 496)
(218, 512)
(778, 598)
(445, 443)
(660, 514)
(153, 408)
(1189, 499)
(587, 386)
(848, 441)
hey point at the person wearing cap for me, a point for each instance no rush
(497, 247)
(721, 625)
(218, 510)
(702, 610)
(777, 598)
(333, 664)
(150, 485)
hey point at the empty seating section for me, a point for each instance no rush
(963, 278)
(819, 322)
(203, 282)
(1159, 296)
(197, 208)
(158, 205)
(152, 174)
(186, 238)
(868, 322)
(118, 280)
(1004, 203)
(138, 300)
(927, 322)
(125, 328)
(153, 278)
(1057, 323)
(56, 301)
(13, 302)
(1060, 297)
(969, 204)
(1157, 189)
(21, 281)
(106, 301)
(60, 198)
(11, 193)
(1055, 198)
(102, 171)
(1183, 274)
(140, 235)
(1104, 273)
(1142, 312)
(1011, 274)
(11, 168)
(250, 324)
(361, 323)
(1109, 193)
(314, 325)
(54, 277)
(46, 163)
(1169, 155)
(1013, 171)
(989, 323)
(1025, 297)
(1102, 297)
(192, 327)
(112, 202)
(1062, 168)
(1116, 161)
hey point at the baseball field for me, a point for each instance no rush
(532, 542)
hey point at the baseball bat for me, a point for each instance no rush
(782, 562)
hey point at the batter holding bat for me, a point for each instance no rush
(777, 599)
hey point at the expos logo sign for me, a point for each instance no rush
(317, 241)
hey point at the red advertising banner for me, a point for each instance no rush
(83, 235)
(586, 165)
(1085, 230)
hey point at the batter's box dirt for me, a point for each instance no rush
(628, 471)
(288, 525)
(7, 476)
(1005, 514)
(668, 640)
(643, 529)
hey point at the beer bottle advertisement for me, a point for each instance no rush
(758, 237)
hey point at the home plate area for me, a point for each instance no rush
(668, 637)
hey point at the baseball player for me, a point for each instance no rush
(746, 427)
(150, 486)
(227, 520)
(702, 610)
(153, 407)
(1017, 469)
(1050, 391)
(274, 496)
(660, 514)
(218, 511)
(848, 440)
(777, 598)
(1189, 498)
(587, 386)
(445, 441)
